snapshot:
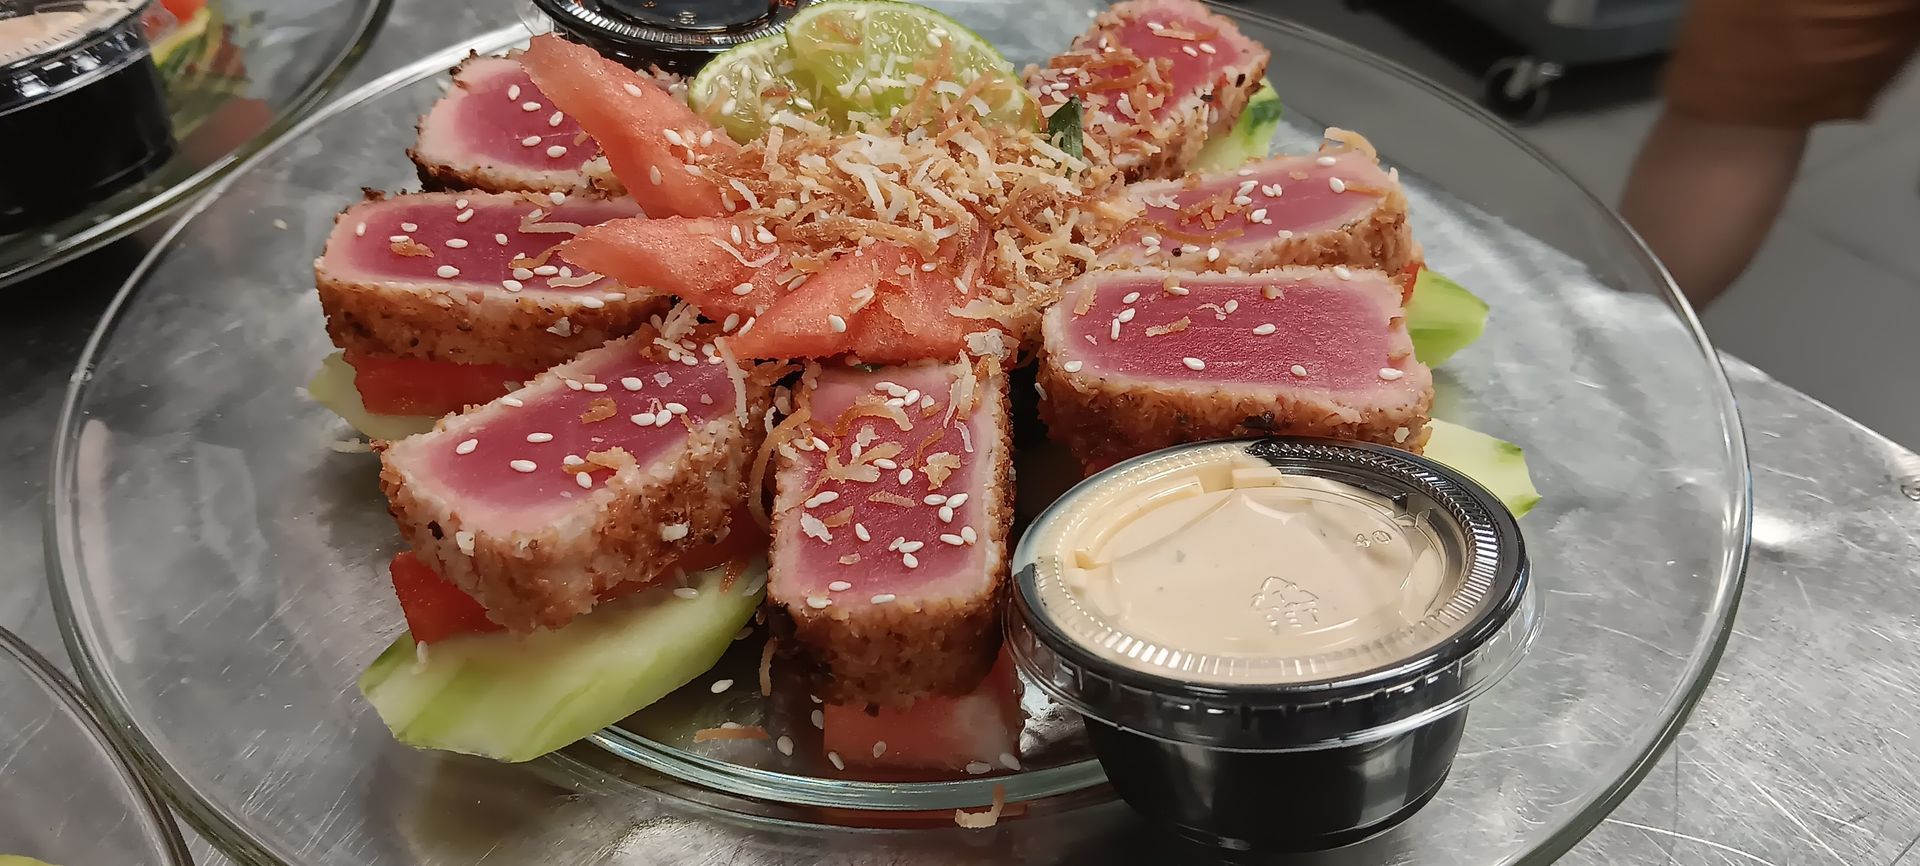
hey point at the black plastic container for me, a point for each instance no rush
(82, 111)
(1298, 752)
(676, 35)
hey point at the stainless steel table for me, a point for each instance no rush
(1802, 752)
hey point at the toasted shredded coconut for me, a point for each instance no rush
(983, 820)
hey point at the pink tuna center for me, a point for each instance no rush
(1197, 64)
(881, 567)
(516, 471)
(1339, 336)
(1276, 202)
(472, 248)
(494, 120)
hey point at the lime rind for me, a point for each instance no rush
(746, 86)
(870, 57)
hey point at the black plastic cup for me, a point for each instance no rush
(82, 112)
(1270, 756)
(675, 35)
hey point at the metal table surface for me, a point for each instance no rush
(1802, 751)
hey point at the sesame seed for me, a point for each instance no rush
(530, 141)
(653, 174)
(589, 301)
(556, 151)
(466, 446)
(860, 532)
(584, 480)
(1207, 47)
(663, 419)
(463, 216)
(975, 768)
(673, 531)
(1242, 200)
(1299, 371)
(1342, 272)
(632, 383)
(512, 285)
(1188, 50)
(1113, 329)
(555, 118)
(447, 272)
(1213, 254)
(946, 514)
(511, 400)
(558, 198)
(822, 498)
(912, 395)
(572, 460)
(360, 231)
(967, 534)
(513, 91)
(1325, 160)
(1125, 316)
(952, 539)
(522, 274)
(594, 387)
(906, 475)
(957, 500)
(933, 499)
(819, 719)
(539, 437)
(529, 106)
(409, 227)
(785, 743)
(456, 243)
(464, 540)
(818, 602)
(839, 325)
(1336, 184)
(1009, 761)
(1130, 297)
(1189, 248)
(1390, 374)
(882, 598)
(879, 748)
(1150, 240)
(908, 560)
(912, 546)
(398, 239)
(1264, 329)
(686, 592)
(1071, 366)
(643, 419)
(743, 289)
(631, 88)
(1259, 215)
(573, 384)
(720, 686)
(1194, 363)
(546, 271)
(837, 763)
(523, 465)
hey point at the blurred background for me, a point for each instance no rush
(1831, 302)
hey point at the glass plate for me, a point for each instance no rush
(235, 79)
(219, 568)
(66, 796)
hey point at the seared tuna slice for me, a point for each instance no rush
(1135, 361)
(890, 529)
(495, 131)
(1336, 207)
(1154, 79)
(598, 472)
(469, 278)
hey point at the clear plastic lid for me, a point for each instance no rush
(679, 35)
(1272, 594)
(49, 47)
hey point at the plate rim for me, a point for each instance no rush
(1541, 847)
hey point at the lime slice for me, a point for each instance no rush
(870, 58)
(744, 87)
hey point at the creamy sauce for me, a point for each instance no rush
(1252, 574)
(29, 34)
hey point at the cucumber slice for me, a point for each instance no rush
(333, 388)
(1443, 317)
(1250, 138)
(515, 698)
(1499, 466)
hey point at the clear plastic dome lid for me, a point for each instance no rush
(1272, 594)
(48, 47)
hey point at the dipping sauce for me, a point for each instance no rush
(1273, 642)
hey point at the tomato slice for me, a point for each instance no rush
(437, 610)
(415, 386)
